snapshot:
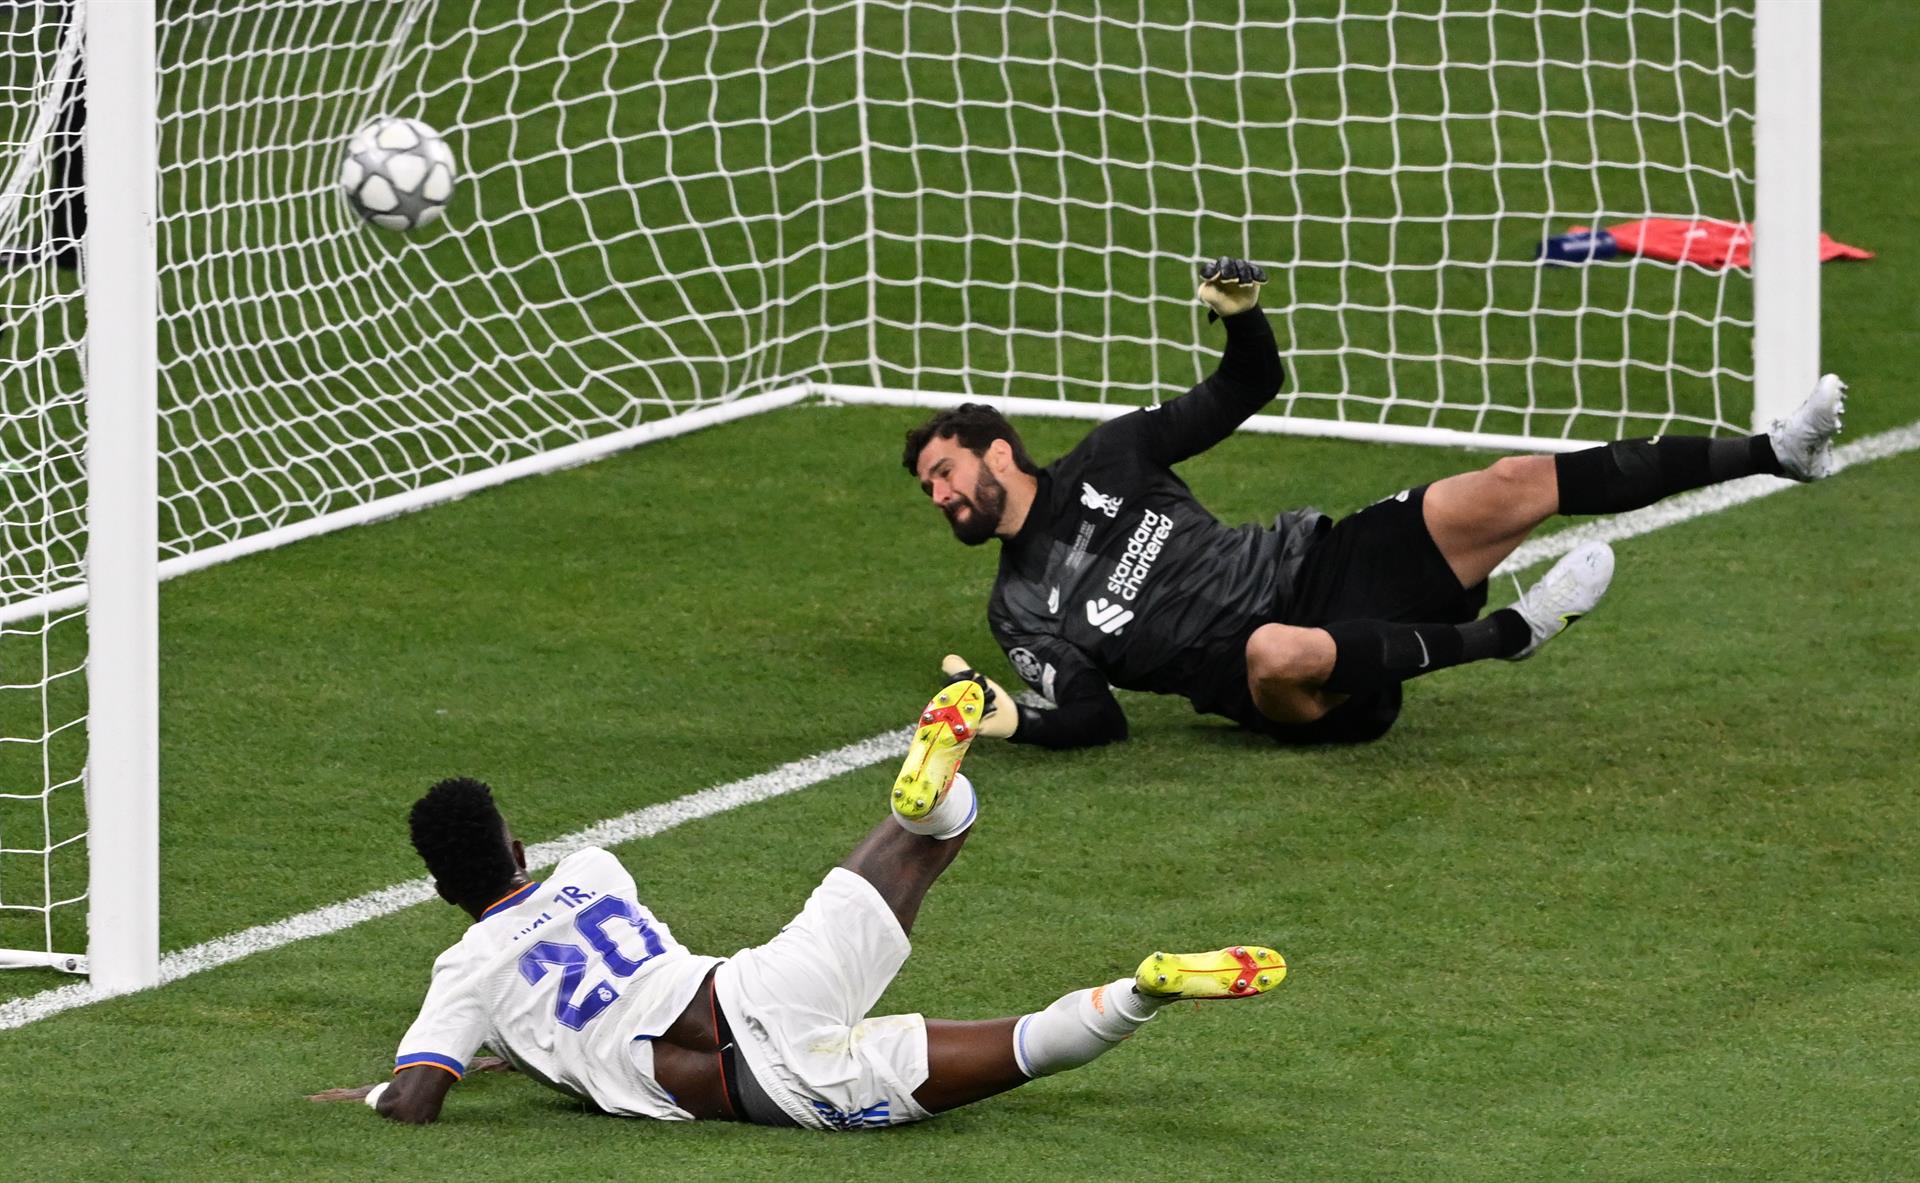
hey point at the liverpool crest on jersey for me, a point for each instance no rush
(1093, 498)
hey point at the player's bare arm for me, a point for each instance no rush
(413, 1096)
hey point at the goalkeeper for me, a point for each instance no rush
(1112, 573)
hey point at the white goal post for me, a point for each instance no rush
(123, 554)
(674, 214)
(1786, 240)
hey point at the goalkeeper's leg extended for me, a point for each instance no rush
(1478, 518)
(1296, 675)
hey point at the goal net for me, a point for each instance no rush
(672, 212)
(43, 741)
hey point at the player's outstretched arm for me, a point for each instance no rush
(1249, 375)
(414, 1095)
(1085, 715)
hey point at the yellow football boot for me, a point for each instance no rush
(940, 742)
(1239, 971)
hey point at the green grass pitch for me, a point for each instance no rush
(1640, 909)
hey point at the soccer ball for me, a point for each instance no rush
(398, 173)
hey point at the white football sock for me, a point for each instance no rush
(952, 816)
(1078, 1028)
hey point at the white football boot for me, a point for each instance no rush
(1803, 441)
(1564, 594)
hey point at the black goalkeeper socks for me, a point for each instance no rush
(1374, 654)
(1630, 474)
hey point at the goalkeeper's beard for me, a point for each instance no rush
(985, 508)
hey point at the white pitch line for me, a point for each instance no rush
(801, 774)
(641, 823)
(1699, 503)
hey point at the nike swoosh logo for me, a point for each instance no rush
(1425, 658)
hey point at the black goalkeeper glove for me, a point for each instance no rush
(1002, 715)
(1229, 285)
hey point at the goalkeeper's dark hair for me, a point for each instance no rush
(976, 426)
(463, 840)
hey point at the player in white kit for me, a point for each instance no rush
(577, 984)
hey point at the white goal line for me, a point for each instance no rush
(803, 774)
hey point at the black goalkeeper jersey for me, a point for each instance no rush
(1119, 575)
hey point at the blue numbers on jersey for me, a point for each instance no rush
(592, 924)
(572, 964)
(573, 961)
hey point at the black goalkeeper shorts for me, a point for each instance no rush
(1377, 564)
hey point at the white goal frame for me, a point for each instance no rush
(123, 610)
(123, 367)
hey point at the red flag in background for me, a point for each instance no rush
(1705, 241)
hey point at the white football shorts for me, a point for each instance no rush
(798, 1008)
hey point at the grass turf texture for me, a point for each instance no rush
(1638, 909)
(1639, 904)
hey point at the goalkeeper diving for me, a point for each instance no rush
(1112, 574)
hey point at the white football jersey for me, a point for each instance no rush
(560, 978)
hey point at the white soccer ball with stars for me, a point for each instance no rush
(398, 173)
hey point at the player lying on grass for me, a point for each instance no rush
(1111, 572)
(579, 986)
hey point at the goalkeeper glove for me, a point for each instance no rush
(1002, 715)
(1229, 285)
